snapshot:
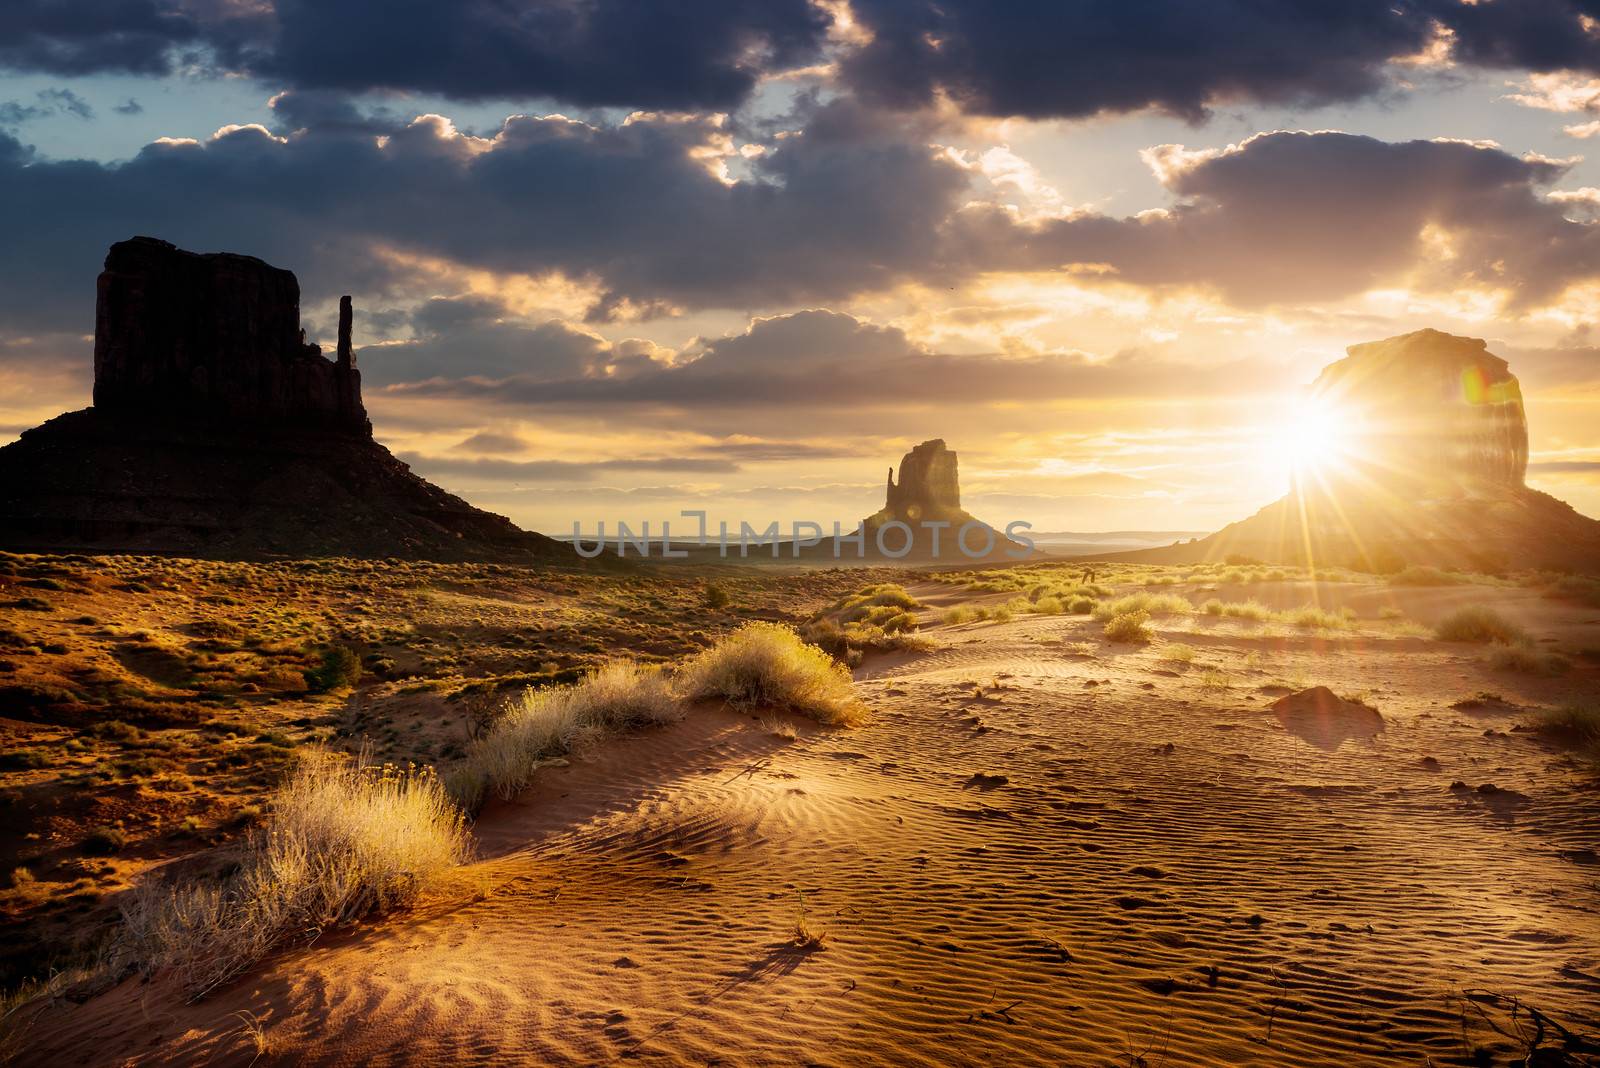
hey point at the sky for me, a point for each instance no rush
(615, 259)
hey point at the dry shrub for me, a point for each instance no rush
(1477, 623)
(875, 619)
(1311, 617)
(767, 665)
(1527, 661)
(344, 840)
(1573, 724)
(1422, 575)
(1130, 627)
(542, 724)
(1151, 604)
(1252, 610)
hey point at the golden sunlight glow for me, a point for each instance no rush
(1312, 440)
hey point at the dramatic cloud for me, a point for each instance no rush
(824, 359)
(662, 212)
(94, 36)
(1316, 216)
(463, 337)
(1025, 59)
(1183, 58)
(706, 54)
(643, 208)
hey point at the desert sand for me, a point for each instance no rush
(1045, 848)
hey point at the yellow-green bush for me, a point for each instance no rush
(1129, 627)
(765, 665)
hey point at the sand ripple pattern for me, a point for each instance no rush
(1073, 869)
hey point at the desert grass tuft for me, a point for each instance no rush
(766, 665)
(1577, 726)
(1310, 617)
(804, 936)
(777, 728)
(541, 724)
(878, 618)
(1573, 724)
(345, 839)
(1130, 627)
(1151, 604)
(1524, 660)
(1477, 623)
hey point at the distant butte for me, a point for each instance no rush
(929, 491)
(1436, 478)
(217, 431)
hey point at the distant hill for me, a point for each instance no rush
(1091, 543)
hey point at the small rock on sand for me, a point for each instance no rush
(985, 781)
(1326, 720)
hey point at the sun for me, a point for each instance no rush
(1313, 438)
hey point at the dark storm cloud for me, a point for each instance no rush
(462, 337)
(846, 205)
(840, 208)
(1044, 59)
(832, 359)
(1314, 216)
(706, 54)
(94, 36)
(1038, 58)
(1541, 35)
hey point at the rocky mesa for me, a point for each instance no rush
(1432, 472)
(217, 431)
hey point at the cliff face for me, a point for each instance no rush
(215, 338)
(216, 431)
(1430, 413)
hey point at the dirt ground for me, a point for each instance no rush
(1045, 848)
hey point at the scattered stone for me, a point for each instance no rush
(984, 781)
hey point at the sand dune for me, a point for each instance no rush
(1092, 856)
